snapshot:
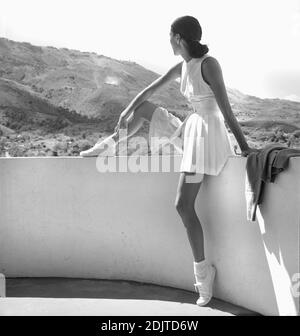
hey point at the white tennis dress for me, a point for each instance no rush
(202, 137)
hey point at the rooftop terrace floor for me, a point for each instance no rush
(68, 296)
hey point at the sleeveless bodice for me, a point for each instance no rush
(195, 89)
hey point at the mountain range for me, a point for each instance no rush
(56, 89)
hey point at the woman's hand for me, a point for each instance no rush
(122, 123)
(249, 150)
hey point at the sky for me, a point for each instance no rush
(255, 41)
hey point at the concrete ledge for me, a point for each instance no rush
(60, 217)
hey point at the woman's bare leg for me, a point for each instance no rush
(188, 188)
(135, 121)
(187, 191)
(140, 114)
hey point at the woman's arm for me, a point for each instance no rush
(213, 75)
(171, 74)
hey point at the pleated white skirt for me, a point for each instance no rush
(202, 138)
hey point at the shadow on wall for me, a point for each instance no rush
(276, 220)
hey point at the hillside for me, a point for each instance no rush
(76, 97)
(92, 85)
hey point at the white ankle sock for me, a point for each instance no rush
(200, 270)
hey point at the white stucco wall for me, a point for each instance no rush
(61, 217)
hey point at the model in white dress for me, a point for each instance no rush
(205, 142)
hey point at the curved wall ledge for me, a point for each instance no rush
(62, 217)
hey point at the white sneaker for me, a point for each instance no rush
(106, 146)
(205, 287)
(2, 285)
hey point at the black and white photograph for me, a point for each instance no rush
(149, 161)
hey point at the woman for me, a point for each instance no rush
(205, 140)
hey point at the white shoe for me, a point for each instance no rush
(205, 287)
(2, 285)
(106, 147)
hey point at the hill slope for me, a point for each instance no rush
(62, 90)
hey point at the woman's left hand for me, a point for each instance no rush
(249, 150)
(122, 123)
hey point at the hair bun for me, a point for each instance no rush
(197, 49)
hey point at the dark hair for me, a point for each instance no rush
(190, 30)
